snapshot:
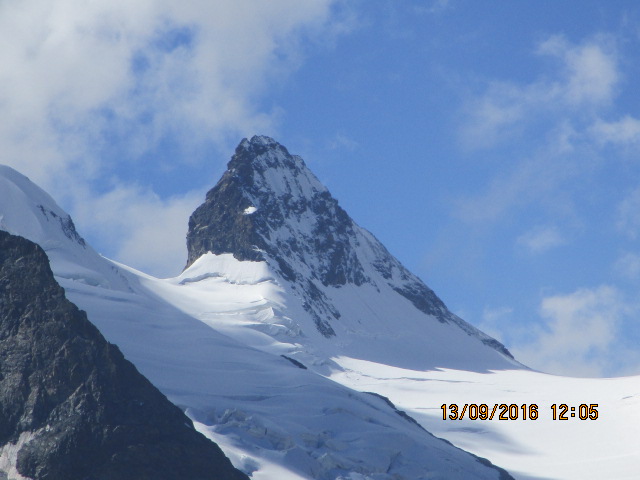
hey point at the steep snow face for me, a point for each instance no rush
(28, 211)
(339, 280)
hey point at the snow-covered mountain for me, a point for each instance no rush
(274, 418)
(295, 341)
(339, 291)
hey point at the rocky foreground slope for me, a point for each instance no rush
(71, 406)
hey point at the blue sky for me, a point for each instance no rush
(492, 146)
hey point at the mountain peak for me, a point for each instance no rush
(269, 207)
(258, 142)
(260, 154)
(263, 165)
(263, 186)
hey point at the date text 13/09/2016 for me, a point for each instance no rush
(503, 411)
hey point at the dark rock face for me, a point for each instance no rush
(78, 409)
(269, 206)
(221, 225)
(296, 221)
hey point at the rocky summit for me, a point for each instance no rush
(268, 206)
(71, 406)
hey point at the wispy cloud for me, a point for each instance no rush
(623, 132)
(583, 333)
(589, 72)
(435, 6)
(493, 322)
(552, 136)
(535, 178)
(342, 142)
(586, 77)
(561, 109)
(541, 239)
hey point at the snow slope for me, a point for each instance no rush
(605, 448)
(228, 294)
(28, 211)
(241, 300)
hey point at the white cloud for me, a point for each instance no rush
(590, 71)
(494, 115)
(436, 6)
(541, 239)
(79, 76)
(587, 78)
(579, 333)
(590, 332)
(559, 106)
(197, 67)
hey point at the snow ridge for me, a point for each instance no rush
(28, 211)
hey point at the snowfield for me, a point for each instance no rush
(529, 449)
